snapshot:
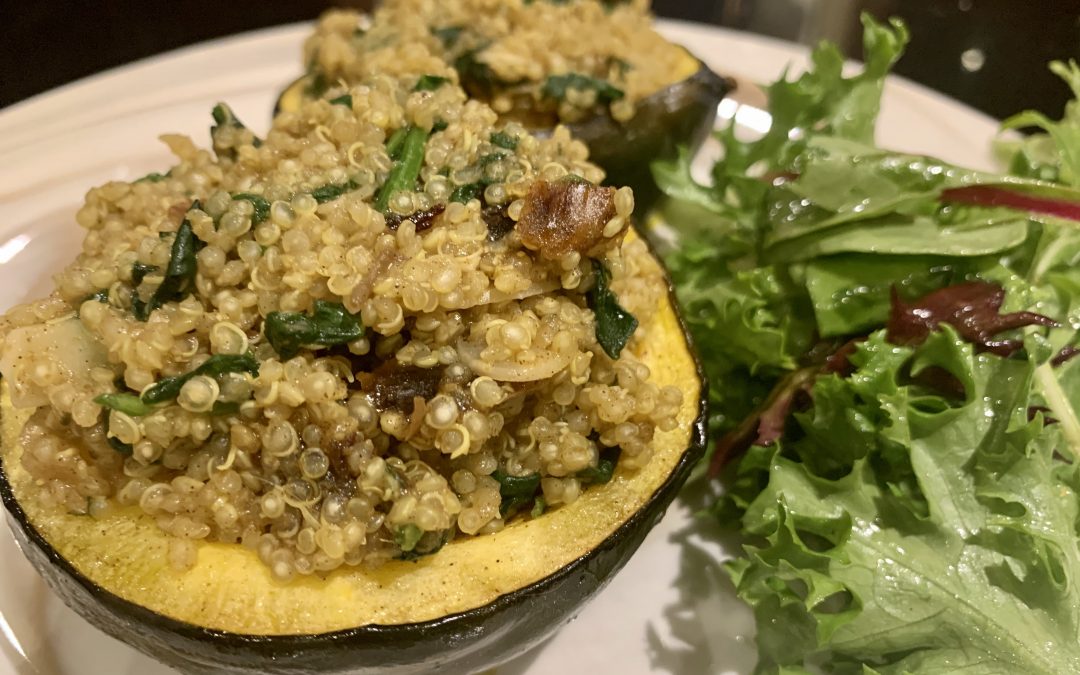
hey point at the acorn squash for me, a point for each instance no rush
(476, 603)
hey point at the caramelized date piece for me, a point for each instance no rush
(566, 215)
(394, 386)
(423, 219)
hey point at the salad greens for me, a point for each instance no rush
(888, 340)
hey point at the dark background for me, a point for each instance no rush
(991, 54)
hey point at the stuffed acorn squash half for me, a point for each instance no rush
(393, 389)
(599, 68)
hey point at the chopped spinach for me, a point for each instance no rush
(222, 408)
(407, 537)
(218, 364)
(179, 278)
(329, 324)
(622, 65)
(604, 469)
(440, 125)
(262, 207)
(395, 143)
(538, 508)
(448, 35)
(614, 325)
(463, 193)
(430, 82)
(344, 99)
(119, 446)
(328, 193)
(516, 491)
(225, 117)
(556, 86)
(154, 177)
(491, 158)
(427, 544)
(504, 140)
(127, 403)
(476, 76)
(407, 169)
(139, 271)
(317, 83)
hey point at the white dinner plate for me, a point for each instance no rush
(671, 609)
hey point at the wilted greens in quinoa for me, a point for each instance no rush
(334, 346)
(610, 56)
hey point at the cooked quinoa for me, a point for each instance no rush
(391, 322)
(536, 61)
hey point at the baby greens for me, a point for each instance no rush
(888, 342)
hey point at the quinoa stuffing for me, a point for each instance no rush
(392, 321)
(537, 61)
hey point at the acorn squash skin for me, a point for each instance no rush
(467, 642)
(679, 115)
(461, 642)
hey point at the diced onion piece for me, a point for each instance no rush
(64, 344)
(546, 365)
(493, 296)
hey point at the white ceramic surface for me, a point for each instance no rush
(669, 611)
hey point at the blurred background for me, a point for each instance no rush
(991, 54)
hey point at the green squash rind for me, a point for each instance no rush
(682, 114)
(463, 642)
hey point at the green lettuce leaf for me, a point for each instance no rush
(945, 527)
(919, 512)
(1054, 155)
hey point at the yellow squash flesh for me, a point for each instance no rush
(229, 589)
